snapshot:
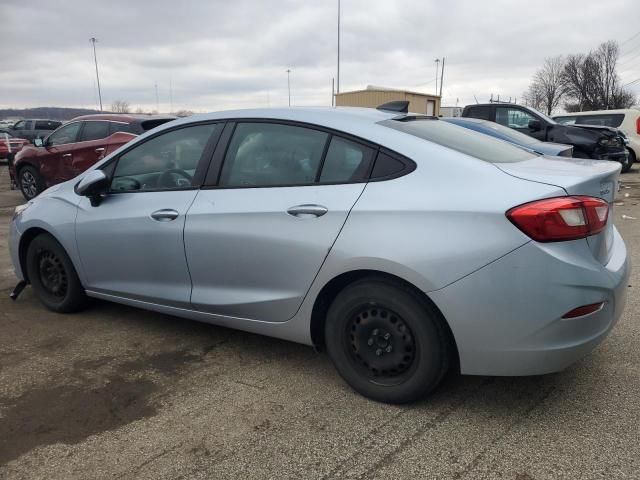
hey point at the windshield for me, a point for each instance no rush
(461, 139)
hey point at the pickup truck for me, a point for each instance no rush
(31, 129)
(588, 141)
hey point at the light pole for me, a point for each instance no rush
(338, 75)
(289, 85)
(93, 40)
(437, 60)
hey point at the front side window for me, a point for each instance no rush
(94, 130)
(345, 162)
(66, 134)
(513, 117)
(267, 154)
(19, 125)
(165, 162)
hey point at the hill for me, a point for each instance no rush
(53, 113)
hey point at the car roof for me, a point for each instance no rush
(122, 117)
(599, 112)
(464, 120)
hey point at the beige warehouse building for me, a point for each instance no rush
(374, 96)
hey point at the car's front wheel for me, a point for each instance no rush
(387, 343)
(53, 276)
(30, 182)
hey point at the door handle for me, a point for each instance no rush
(304, 210)
(100, 150)
(66, 155)
(165, 215)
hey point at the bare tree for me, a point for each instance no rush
(592, 83)
(183, 113)
(139, 110)
(533, 97)
(548, 87)
(120, 106)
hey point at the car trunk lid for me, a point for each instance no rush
(577, 177)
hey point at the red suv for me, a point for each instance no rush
(74, 147)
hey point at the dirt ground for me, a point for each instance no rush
(117, 392)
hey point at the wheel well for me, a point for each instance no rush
(25, 239)
(331, 290)
(632, 153)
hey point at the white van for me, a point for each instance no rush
(627, 120)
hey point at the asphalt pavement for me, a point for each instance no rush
(116, 392)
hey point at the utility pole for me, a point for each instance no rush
(333, 92)
(289, 84)
(441, 78)
(338, 75)
(93, 40)
(437, 60)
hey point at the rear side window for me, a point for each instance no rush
(465, 141)
(269, 154)
(346, 161)
(124, 127)
(94, 130)
(47, 125)
(604, 120)
(387, 166)
(483, 113)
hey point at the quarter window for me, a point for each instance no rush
(166, 162)
(346, 161)
(513, 117)
(266, 154)
(94, 131)
(64, 135)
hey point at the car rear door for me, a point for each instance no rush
(91, 146)
(268, 215)
(131, 245)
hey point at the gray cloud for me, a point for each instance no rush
(222, 54)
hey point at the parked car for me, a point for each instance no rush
(627, 120)
(596, 142)
(10, 145)
(74, 147)
(512, 136)
(362, 231)
(33, 128)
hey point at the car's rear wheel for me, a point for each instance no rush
(386, 342)
(631, 159)
(53, 276)
(30, 182)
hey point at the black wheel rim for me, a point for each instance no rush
(53, 275)
(381, 345)
(29, 184)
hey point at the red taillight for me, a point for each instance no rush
(583, 310)
(562, 218)
(638, 125)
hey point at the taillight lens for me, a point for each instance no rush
(638, 125)
(560, 219)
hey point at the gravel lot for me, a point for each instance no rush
(117, 392)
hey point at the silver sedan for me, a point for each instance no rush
(401, 244)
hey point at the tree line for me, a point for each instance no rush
(580, 82)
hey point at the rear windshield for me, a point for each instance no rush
(153, 123)
(462, 140)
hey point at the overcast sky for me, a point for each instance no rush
(235, 53)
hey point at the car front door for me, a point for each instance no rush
(55, 167)
(131, 244)
(23, 129)
(520, 120)
(259, 231)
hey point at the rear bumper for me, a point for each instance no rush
(507, 317)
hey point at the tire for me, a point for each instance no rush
(631, 158)
(53, 277)
(30, 182)
(386, 342)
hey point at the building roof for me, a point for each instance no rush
(391, 90)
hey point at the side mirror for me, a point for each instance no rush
(93, 185)
(38, 142)
(535, 125)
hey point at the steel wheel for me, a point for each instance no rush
(381, 344)
(52, 273)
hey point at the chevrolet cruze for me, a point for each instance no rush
(403, 245)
